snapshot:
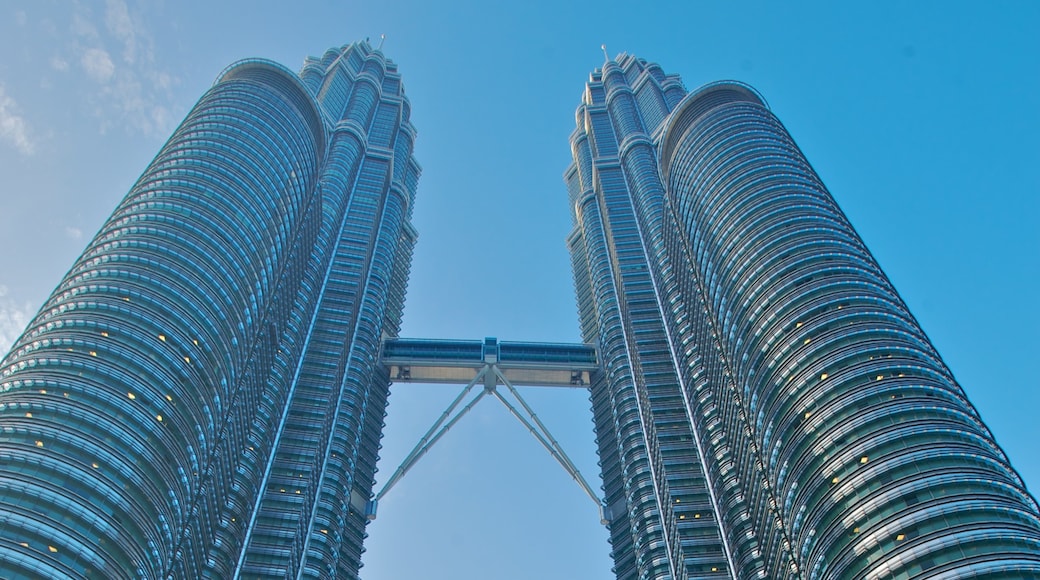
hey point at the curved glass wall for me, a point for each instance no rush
(310, 518)
(662, 515)
(857, 453)
(125, 402)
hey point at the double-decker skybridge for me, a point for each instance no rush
(487, 365)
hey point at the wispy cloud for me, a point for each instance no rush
(82, 26)
(98, 64)
(59, 64)
(119, 23)
(73, 233)
(13, 319)
(13, 128)
(117, 52)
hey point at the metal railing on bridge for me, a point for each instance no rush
(542, 364)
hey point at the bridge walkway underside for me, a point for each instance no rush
(489, 364)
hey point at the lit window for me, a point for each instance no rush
(93, 353)
(29, 415)
(823, 376)
(95, 465)
(807, 341)
(169, 398)
(900, 538)
(696, 516)
(682, 516)
(158, 418)
(187, 360)
(879, 377)
(52, 549)
(835, 480)
(103, 333)
(799, 325)
(132, 396)
(39, 443)
(162, 337)
(864, 459)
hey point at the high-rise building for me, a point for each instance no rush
(768, 407)
(203, 394)
(200, 396)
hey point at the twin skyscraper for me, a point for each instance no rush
(203, 394)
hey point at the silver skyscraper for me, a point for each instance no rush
(768, 406)
(200, 397)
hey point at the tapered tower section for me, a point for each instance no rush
(199, 397)
(311, 514)
(780, 385)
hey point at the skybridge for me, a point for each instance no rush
(537, 364)
(488, 364)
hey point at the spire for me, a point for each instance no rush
(382, 37)
(606, 57)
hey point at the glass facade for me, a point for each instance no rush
(768, 406)
(202, 395)
(199, 396)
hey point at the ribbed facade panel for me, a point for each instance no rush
(661, 515)
(874, 463)
(311, 517)
(134, 383)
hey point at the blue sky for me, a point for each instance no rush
(920, 117)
